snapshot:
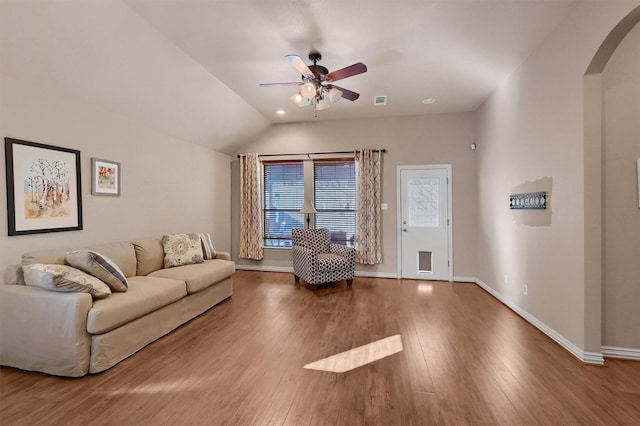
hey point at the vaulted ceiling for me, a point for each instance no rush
(191, 68)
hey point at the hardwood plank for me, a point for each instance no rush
(466, 359)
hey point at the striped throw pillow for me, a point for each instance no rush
(99, 266)
(207, 246)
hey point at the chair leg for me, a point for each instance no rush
(297, 278)
(349, 281)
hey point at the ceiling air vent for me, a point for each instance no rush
(379, 100)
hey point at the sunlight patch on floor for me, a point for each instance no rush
(357, 357)
(179, 385)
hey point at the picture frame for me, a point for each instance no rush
(105, 177)
(44, 192)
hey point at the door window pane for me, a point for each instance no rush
(423, 195)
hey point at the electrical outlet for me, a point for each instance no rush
(524, 289)
(506, 279)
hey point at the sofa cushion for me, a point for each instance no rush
(199, 275)
(332, 262)
(64, 278)
(100, 266)
(181, 249)
(122, 253)
(13, 275)
(145, 294)
(318, 240)
(150, 255)
(47, 257)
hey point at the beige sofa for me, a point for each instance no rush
(71, 334)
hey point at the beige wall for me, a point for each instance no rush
(530, 135)
(435, 139)
(105, 53)
(621, 215)
(168, 185)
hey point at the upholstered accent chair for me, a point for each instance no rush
(317, 261)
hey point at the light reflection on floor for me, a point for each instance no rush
(179, 385)
(357, 357)
(425, 288)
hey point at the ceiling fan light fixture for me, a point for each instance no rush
(299, 100)
(317, 86)
(308, 90)
(335, 95)
(321, 104)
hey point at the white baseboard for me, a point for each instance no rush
(266, 268)
(624, 353)
(586, 357)
(376, 274)
(464, 279)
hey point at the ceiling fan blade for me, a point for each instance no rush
(347, 94)
(292, 83)
(299, 64)
(349, 71)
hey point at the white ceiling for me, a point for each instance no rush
(191, 68)
(456, 51)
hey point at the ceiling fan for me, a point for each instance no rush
(317, 82)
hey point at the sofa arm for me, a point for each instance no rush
(344, 251)
(42, 330)
(304, 263)
(223, 255)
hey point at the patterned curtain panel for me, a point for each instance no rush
(368, 247)
(250, 208)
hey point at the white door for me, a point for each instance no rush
(424, 223)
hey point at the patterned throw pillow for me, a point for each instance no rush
(99, 266)
(64, 278)
(181, 249)
(208, 251)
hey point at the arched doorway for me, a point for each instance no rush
(609, 323)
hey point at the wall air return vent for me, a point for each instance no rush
(379, 100)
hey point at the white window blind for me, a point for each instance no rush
(283, 198)
(335, 199)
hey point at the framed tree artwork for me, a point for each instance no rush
(43, 188)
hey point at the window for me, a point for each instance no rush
(335, 199)
(283, 197)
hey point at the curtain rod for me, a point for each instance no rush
(312, 153)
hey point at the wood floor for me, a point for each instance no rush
(467, 359)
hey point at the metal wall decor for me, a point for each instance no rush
(530, 201)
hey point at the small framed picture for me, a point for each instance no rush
(105, 177)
